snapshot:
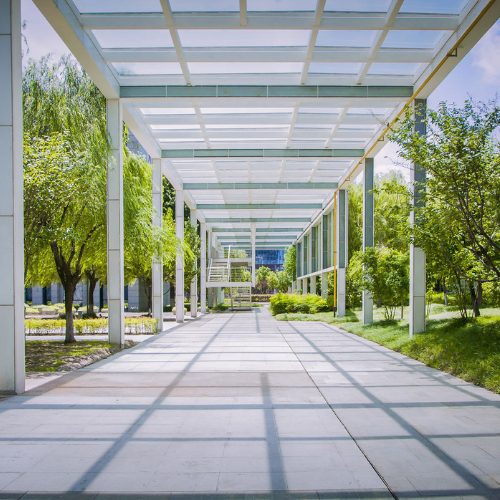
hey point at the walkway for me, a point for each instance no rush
(239, 403)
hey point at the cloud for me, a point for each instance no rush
(484, 55)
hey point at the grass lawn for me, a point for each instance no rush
(54, 355)
(470, 351)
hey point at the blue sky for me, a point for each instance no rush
(477, 75)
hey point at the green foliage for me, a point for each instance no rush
(283, 281)
(354, 280)
(291, 303)
(355, 226)
(392, 211)
(290, 263)
(458, 224)
(261, 277)
(133, 326)
(385, 275)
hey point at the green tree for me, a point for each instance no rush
(261, 277)
(355, 223)
(290, 263)
(283, 281)
(272, 281)
(65, 195)
(460, 153)
(385, 275)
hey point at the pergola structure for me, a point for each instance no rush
(259, 112)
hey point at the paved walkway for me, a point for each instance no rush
(240, 403)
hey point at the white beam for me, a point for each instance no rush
(193, 292)
(12, 371)
(116, 300)
(203, 267)
(67, 25)
(157, 269)
(179, 260)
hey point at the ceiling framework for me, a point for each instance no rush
(258, 110)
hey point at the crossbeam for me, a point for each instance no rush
(265, 91)
(235, 220)
(202, 186)
(293, 230)
(257, 206)
(262, 153)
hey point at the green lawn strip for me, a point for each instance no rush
(470, 351)
(54, 355)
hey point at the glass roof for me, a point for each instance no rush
(245, 87)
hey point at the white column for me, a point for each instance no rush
(203, 268)
(179, 260)
(11, 201)
(324, 286)
(416, 319)
(341, 239)
(116, 301)
(312, 285)
(304, 286)
(253, 253)
(193, 292)
(157, 270)
(368, 234)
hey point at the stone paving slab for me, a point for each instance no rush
(242, 406)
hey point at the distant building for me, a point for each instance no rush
(273, 259)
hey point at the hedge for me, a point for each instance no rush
(291, 303)
(133, 326)
(261, 297)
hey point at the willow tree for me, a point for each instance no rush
(65, 154)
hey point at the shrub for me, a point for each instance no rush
(290, 303)
(261, 297)
(134, 326)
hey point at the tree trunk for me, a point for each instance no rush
(474, 300)
(91, 284)
(69, 291)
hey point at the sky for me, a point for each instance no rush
(477, 75)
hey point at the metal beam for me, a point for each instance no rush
(202, 186)
(266, 91)
(270, 20)
(235, 220)
(293, 230)
(262, 153)
(257, 206)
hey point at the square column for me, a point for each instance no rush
(116, 300)
(304, 286)
(203, 267)
(253, 253)
(368, 233)
(157, 269)
(341, 241)
(179, 258)
(12, 372)
(193, 292)
(416, 318)
(312, 285)
(324, 286)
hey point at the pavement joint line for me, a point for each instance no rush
(354, 440)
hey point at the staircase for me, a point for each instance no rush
(241, 297)
(219, 270)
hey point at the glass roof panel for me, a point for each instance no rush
(133, 38)
(357, 5)
(204, 5)
(281, 5)
(244, 38)
(114, 6)
(245, 110)
(174, 127)
(168, 111)
(147, 68)
(335, 68)
(247, 68)
(434, 6)
(346, 38)
(393, 69)
(418, 39)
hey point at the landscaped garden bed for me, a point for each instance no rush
(56, 356)
(133, 326)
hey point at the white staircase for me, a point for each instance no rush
(233, 274)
